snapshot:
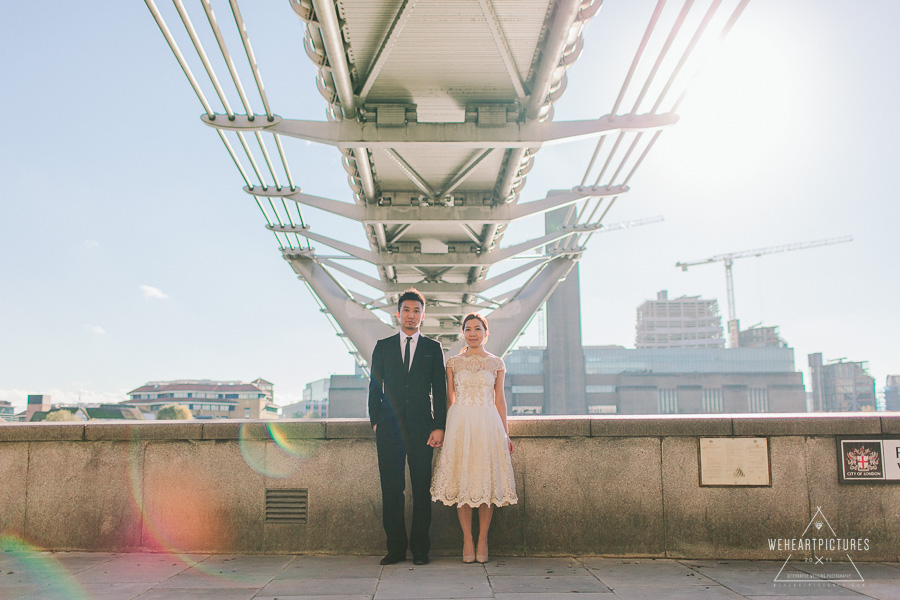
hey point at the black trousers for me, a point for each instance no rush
(394, 451)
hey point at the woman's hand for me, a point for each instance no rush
(436, 439)
(509, 443)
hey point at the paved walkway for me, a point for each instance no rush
(105, 576)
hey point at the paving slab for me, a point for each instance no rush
(320, 587)
(650, 592)
(735, 565)
(244, 563)
(543, 584)
(75, 562)
(763, 584)
(616, 573)
(881, 590)
(451, 581)
(327, 567)
(556, 596)
(868, 571)
(861, 597)
(89, 591)
(194, 580)
(14, 591)
(535, 566)
(196, 594)
(283, 597)
(151, 568)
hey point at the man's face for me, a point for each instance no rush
(411, 314)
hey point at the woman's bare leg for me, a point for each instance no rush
(464, 513)
(485, 512)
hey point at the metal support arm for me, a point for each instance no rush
(508, 321)
(530, 134)
(360, 325)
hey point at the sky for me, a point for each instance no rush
(129, 252)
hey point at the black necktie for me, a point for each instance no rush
(406, 355)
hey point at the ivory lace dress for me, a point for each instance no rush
(474, 466)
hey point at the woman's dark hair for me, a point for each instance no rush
(478, 318)
(411, 294)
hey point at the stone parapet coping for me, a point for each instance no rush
(782, 424)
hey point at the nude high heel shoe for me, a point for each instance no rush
(482, 558)
(467, 558)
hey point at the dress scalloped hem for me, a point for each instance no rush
(474, 464)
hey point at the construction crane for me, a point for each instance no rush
(729, 258)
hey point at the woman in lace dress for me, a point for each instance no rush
(475, 469)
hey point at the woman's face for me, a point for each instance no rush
(474, 333)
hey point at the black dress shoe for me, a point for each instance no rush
(392, 559)
(421, 560)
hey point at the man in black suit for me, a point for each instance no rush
(408, 410)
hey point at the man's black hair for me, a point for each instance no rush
(411, 294)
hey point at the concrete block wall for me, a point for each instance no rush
(610, 485)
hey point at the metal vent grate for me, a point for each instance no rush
(286, 506)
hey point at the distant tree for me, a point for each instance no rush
(174, 411)
(61, 415)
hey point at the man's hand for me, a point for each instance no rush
(375, 427)
(436, 439)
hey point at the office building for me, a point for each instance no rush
(336, 396)
(664, 381)
(761, 337)
(685, 322)
(314, 404)
(892, 393)
(840, 386)
(37, 403)
(208, 399)
(7, 411)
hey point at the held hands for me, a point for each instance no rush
(436, 439)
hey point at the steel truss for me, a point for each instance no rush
(438, 147)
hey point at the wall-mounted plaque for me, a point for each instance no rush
(868, 460)
(734, 461)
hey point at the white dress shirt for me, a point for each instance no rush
(414, 341)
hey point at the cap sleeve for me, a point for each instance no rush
(499, 365)
(451, 362)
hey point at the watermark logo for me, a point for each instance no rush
(818, 555)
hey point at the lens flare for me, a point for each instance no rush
(27, 566)
(273, 452)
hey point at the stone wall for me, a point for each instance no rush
(616, 485)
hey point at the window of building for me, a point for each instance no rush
(600, 389)
(759, 400)
(712, 400)
(527, 389)
(668, 401)
(247, 412)
(602, 409)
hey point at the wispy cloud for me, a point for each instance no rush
(152, 292)
(95, 329)
(91, 244)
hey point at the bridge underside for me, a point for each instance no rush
(438, 109)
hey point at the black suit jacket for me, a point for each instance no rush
(415, 401)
